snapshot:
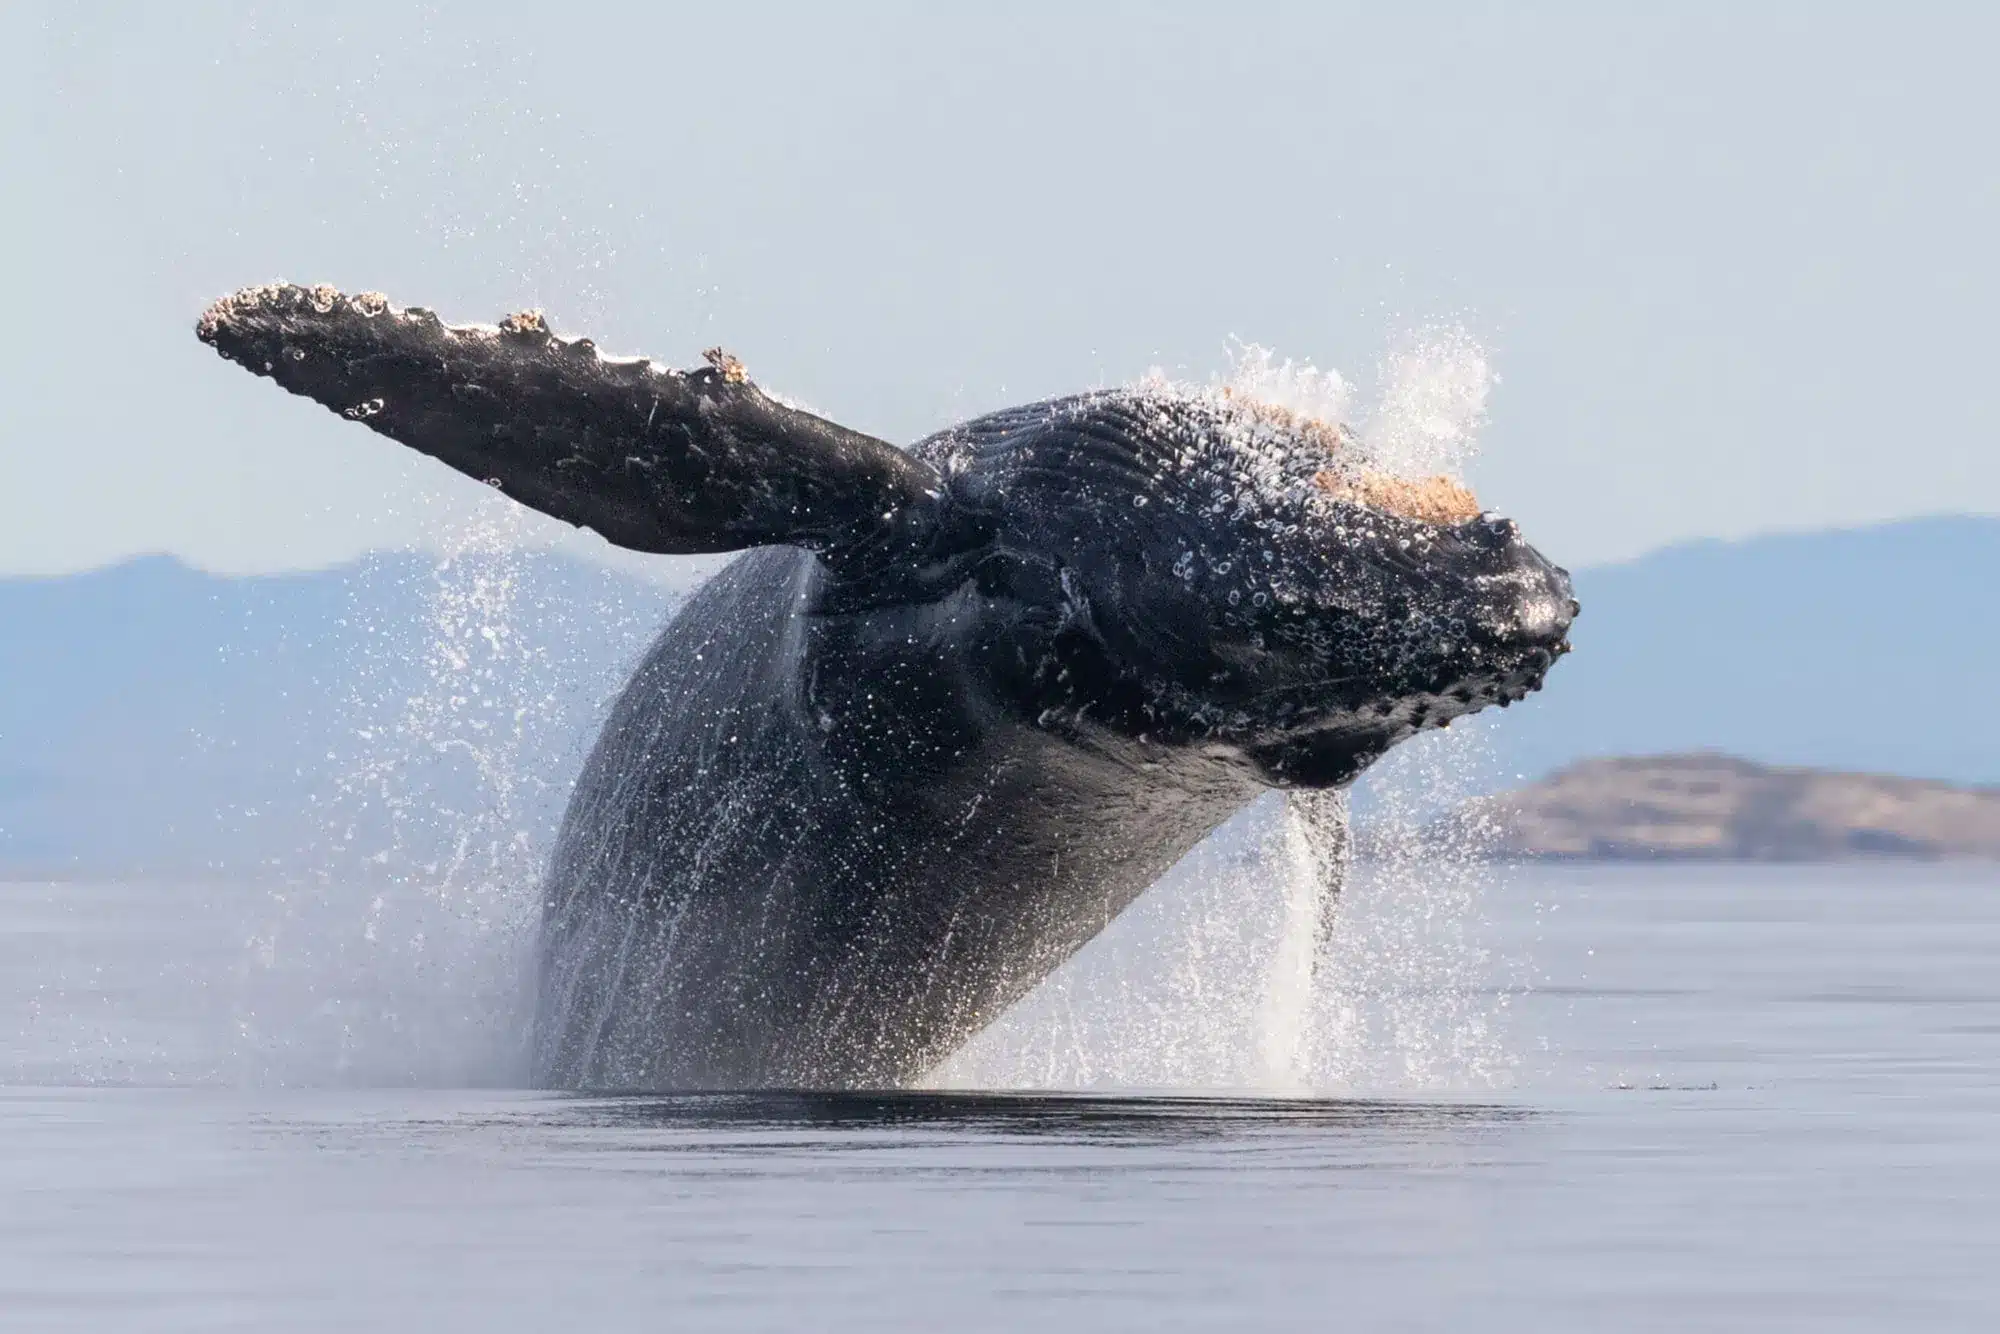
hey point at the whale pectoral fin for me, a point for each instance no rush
(653, 459)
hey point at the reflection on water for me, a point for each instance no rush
(1066, 1118)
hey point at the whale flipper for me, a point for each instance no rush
(653, 459)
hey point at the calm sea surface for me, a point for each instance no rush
(1728, 1098)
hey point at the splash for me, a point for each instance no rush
(1407, 996)
(392, 945)
(1282, 426)
(1300, 388)
(1219, 980)
(1313, 869)
(399, 949)
(1433, 402)
(409, 918)
(1435, 387)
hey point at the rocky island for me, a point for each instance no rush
(1716, 807)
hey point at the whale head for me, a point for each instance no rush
(1201, 573)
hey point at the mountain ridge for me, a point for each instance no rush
(154, 717)
(1865, 649)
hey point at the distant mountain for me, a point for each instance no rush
(396, 712)
(1717, 807)
(1872, 649)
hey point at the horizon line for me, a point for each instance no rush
(583, 550)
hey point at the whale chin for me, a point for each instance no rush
(1331, 758)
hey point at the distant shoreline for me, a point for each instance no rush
(1711, 807)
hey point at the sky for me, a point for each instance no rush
(1735, 265)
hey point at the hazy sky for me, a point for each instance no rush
(1736, 265)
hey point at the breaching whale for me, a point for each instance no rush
(954, 708)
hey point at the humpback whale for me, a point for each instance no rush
(954, 707)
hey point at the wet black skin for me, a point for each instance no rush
(873, 784)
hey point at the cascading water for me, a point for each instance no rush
(1406, 997)
(1311, 870)
(1218, 978)
(394, 955)
(400, 949)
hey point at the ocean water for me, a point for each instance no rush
(1691, 1098)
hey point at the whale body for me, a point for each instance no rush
(955, 708)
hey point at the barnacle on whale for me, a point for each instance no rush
(1434, 500)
